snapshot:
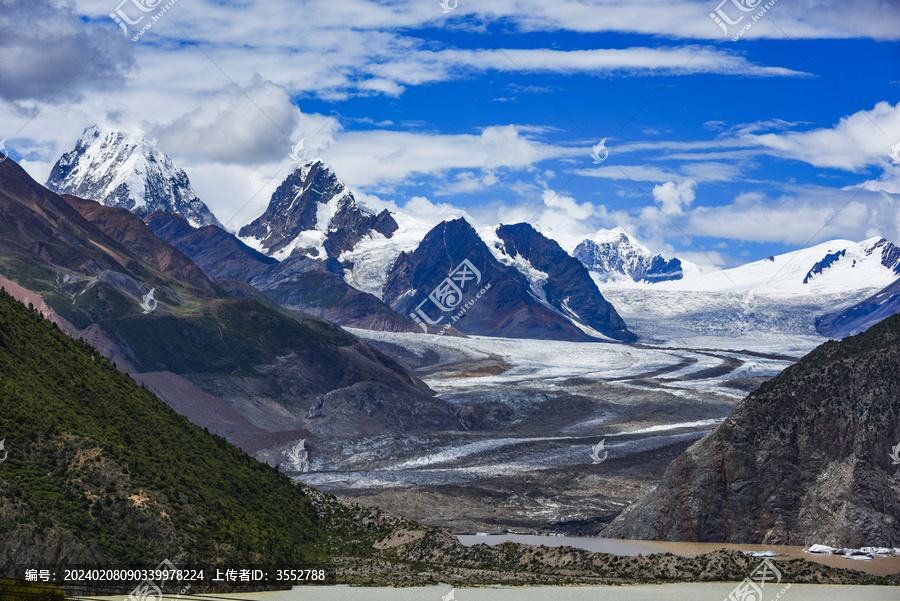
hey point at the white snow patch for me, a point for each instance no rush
(374, 256)
(325, 211)
(697, 424)
(305, 239)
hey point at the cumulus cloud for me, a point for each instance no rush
(674, 198)
(254, 126)
(558, 216)
(416, 209)
(433, 213)
(46, 50)
(566, 206)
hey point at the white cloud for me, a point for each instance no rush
(709, 171)
(250, 127)
(337, 47)
(416, 68)
(417, 207)
(805, 216)
(468, 182)
(562, 204)
(238, 194)
(859, 140)
(674, 198)
(874, 19)
(638, 173)
(366, 158)
(422, 208)
(877, 19)
(713, 171)
(559, 216)
(889, 181)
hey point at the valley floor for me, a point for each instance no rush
(535, 409)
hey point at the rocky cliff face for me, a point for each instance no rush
(125, 170)
(314, 213)
(889, 253)
(568, 286)
(805, 459)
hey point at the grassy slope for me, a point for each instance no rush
(94, 457)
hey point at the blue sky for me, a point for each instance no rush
(720, 151)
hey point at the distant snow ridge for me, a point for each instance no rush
(832, 267)
(615, 255)
(870, 258)
(127, 170)
(884, 252)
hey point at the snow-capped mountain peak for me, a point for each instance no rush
(126, 169)
(618, 234)
(614, 255)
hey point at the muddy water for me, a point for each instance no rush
(663, 592)
(880, 566)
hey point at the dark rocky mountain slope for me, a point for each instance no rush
(216, 251)
(805, 459)
(318, 288)
(569, 287)
(268, 364)
(452, 278)
(300, 283)
(128, 229)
